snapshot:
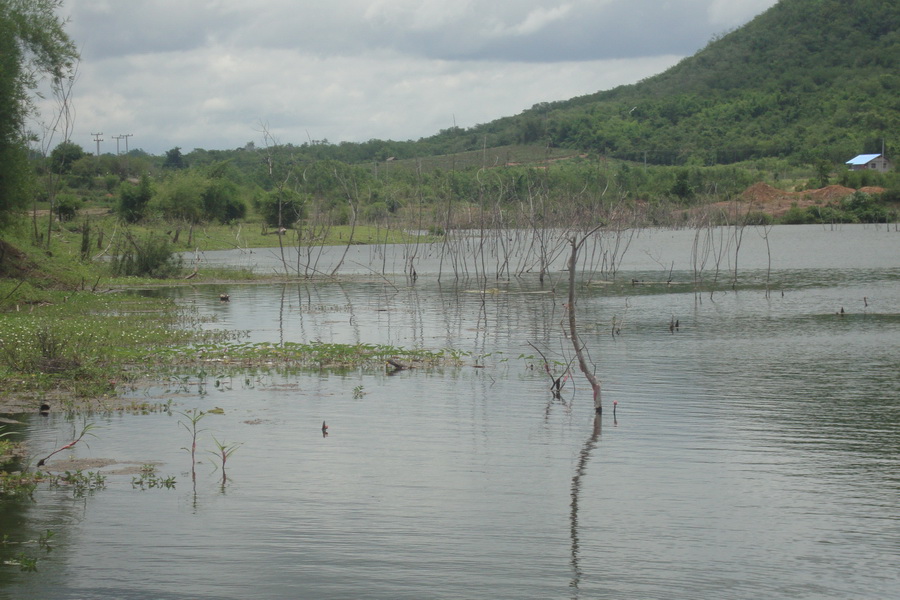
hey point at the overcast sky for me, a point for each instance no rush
(210, 73)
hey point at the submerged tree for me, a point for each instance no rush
(575, 244)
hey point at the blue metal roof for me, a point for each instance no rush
(862, 159)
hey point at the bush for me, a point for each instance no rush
(220, 202)
(133, 200)
(67, 206)
(864, 208)
(152, 256)
(293, 207)
(377, 211)
(758, 218)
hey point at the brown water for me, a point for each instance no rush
(753, 452)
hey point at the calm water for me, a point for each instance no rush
(754, 453)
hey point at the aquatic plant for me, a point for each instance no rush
(88, 344)
(148, 479)
(223, 452)
(84, 431)
(193, 418)
(25, 562)
(316, 354)
(5, 447)
(19, 484)
(82, 483)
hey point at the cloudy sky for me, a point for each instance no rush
(211, 73)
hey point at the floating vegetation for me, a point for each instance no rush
(314, 355)
(20, 484)
(87, 344)
(149, 479)
(79, 482)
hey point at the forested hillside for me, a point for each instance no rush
(807, 79)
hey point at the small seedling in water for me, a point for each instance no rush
(85, 431)
(223, 452)
(26, 563)
(193, 418)
(358, 392)
(80, 482)
(148, 479)
(44, 540)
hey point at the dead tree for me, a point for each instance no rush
(575, 245)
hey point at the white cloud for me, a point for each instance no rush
(206, 73)
(728, 13)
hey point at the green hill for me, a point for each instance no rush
(807, 79)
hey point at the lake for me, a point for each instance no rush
(754, 451)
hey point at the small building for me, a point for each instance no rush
(869, 162)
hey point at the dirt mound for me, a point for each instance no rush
(766, 198)
(763, 193)
(872, 190)
(830, 193)
(14, 264)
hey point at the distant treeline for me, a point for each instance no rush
(282, 186)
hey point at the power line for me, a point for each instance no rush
(98, 139)
(126, 136)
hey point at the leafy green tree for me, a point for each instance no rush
(191, 196)
(682, 187)
(220, 201)
(281, 207)
(33, 43)
(64, 156)
(180, 196)
(133, 200)
(174, 159)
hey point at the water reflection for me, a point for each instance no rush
(581, 467)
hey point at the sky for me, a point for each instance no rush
(216, 74)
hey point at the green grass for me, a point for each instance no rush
(204, 237)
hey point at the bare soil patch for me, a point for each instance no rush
(762, 197)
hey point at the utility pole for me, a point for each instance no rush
(98, 139)
(126, 136)
(117, 138)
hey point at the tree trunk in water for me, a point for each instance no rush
(573, 330)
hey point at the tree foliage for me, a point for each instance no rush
(64, 156)
(192, 196)
(33, 44)
(133, 200)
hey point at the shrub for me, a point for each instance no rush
(376, 211)
(293, 207)
(757, 217)
(864, 208)
(67, 206)
(796, 216)
(133, 200)
(151, 256)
